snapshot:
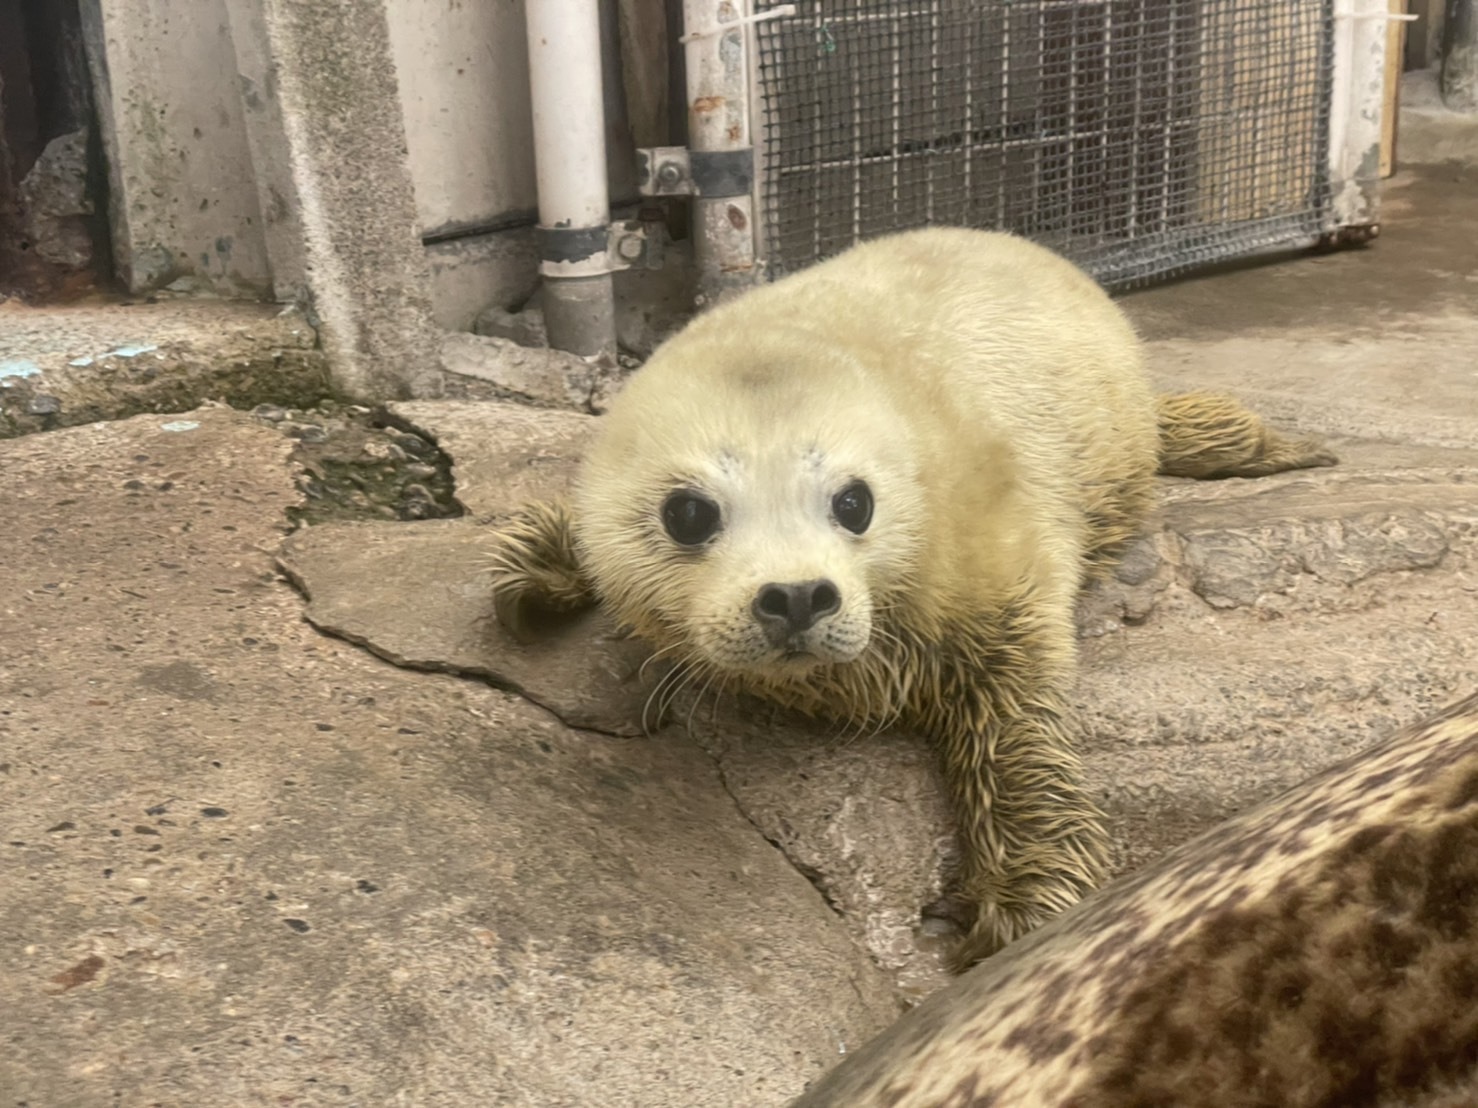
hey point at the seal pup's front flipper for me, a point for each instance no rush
(1032, 841)
(536, 570)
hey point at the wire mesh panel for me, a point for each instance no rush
(1139, 137)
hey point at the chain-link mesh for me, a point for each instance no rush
(1139, 137)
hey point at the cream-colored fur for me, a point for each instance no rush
(992, 399)
(987, 390)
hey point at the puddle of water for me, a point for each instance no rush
(18, 367)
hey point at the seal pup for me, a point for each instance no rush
(871, 491)
(1318, 950)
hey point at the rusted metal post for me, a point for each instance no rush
(720, 145)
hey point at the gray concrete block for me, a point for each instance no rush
(323, 99)
(181, 178)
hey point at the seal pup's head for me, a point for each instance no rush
(750, 507)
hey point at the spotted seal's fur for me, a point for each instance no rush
(1318, 950)
(987, 402)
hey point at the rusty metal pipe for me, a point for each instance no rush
(720, 145)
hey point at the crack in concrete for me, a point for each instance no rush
(811, 874)
(487, 676)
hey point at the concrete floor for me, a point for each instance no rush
(106, 358)
(247, 859)
(1379, 342)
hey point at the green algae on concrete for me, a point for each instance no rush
(110, 360)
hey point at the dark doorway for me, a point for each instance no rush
(53, 214)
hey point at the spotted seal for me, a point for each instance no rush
(1320, 950)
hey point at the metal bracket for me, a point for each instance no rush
(571, 244)
(634, 244)
(720, 174)
(663, 171)
(590, 251)
(678, 171)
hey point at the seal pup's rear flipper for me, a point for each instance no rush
(1207, 435)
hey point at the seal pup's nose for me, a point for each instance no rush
(786, 610)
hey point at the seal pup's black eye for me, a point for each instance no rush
(852, 507)
(691, 519)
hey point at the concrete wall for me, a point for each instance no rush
(464, 85)
(187, 184)
(183, 195)
(463, 71)
(1423, 43)
(473, 273)
(369, 156)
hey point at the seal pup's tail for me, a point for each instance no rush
(1207, 435)
(535, 570)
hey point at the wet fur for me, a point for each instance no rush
(1318, 951)
(994, 399)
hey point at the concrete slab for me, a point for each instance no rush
(502, 454)
(542, 376)
(248, 864)
(1333, 604)
(1334, 608)
(417, 595)
(65, 366)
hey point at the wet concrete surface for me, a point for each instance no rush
(282, 820)
(247, 863)
(1418, 269)
(1375, 343)
(356, 462)
(108, 358)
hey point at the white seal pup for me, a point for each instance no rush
(872, 491)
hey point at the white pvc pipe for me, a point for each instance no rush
(570, 162)
(569, 113)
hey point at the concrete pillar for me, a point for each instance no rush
(257, 79)
(182, 203)
(327, 134)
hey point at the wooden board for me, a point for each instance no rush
(1395, 51)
